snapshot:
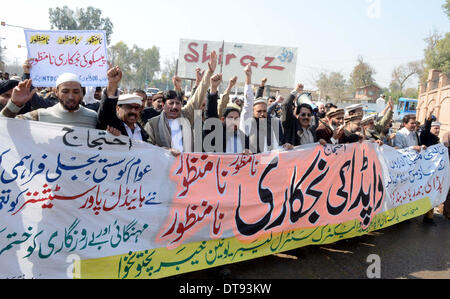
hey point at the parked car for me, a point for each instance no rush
(152, 90)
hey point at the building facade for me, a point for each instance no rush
(369, 93)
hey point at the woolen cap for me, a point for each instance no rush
(260, 101)
(366, 119)
(129, 99)
(354, 107)
(352, 118)
(6, 85)
(335, 111)
(231, 107)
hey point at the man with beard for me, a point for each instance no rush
(273, 103)
(298, 129)
(374, 130)
(121, 113)
(265, 133)
(352, 130)
(331, 127)
(173, 128)
(68, 111)
(229, 139)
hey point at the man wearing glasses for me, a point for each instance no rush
(120, 114)
(298, 129)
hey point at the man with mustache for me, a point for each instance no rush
(230, 140)
(298, 129)
(352, 129)
(407, 137)
(264, 132)
(331, 128)
(373, 130)
(172, 129)
(120, 112)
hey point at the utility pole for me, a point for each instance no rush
(2, 23)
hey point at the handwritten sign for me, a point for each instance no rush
(81, 203)
(53, 53)
(277, 63)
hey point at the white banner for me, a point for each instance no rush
(71, 196)
(53, 53)
(278, 64)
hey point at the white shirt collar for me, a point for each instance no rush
(136, 135)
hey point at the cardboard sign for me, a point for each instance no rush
(52, 53)
(276, 63)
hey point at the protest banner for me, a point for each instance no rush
(52, 53)
(277, 63)
(81, 203)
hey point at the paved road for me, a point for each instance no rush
(410, 249)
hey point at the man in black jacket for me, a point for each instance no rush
(429, 136)
(121, 113)
(298, 130)
(229, 139)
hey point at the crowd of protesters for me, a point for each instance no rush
(249, 125)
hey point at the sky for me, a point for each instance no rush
(329, 34)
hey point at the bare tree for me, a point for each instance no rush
(332, 86)
(403, 73)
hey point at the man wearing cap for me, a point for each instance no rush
(298, 129)
(173, 128)
(368, 126)
(273, 103)
(331, 127)
(121, 113)
(373, 129)
(352, 129)
(265, 133)
(68, 111)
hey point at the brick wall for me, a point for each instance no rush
(435, 93)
